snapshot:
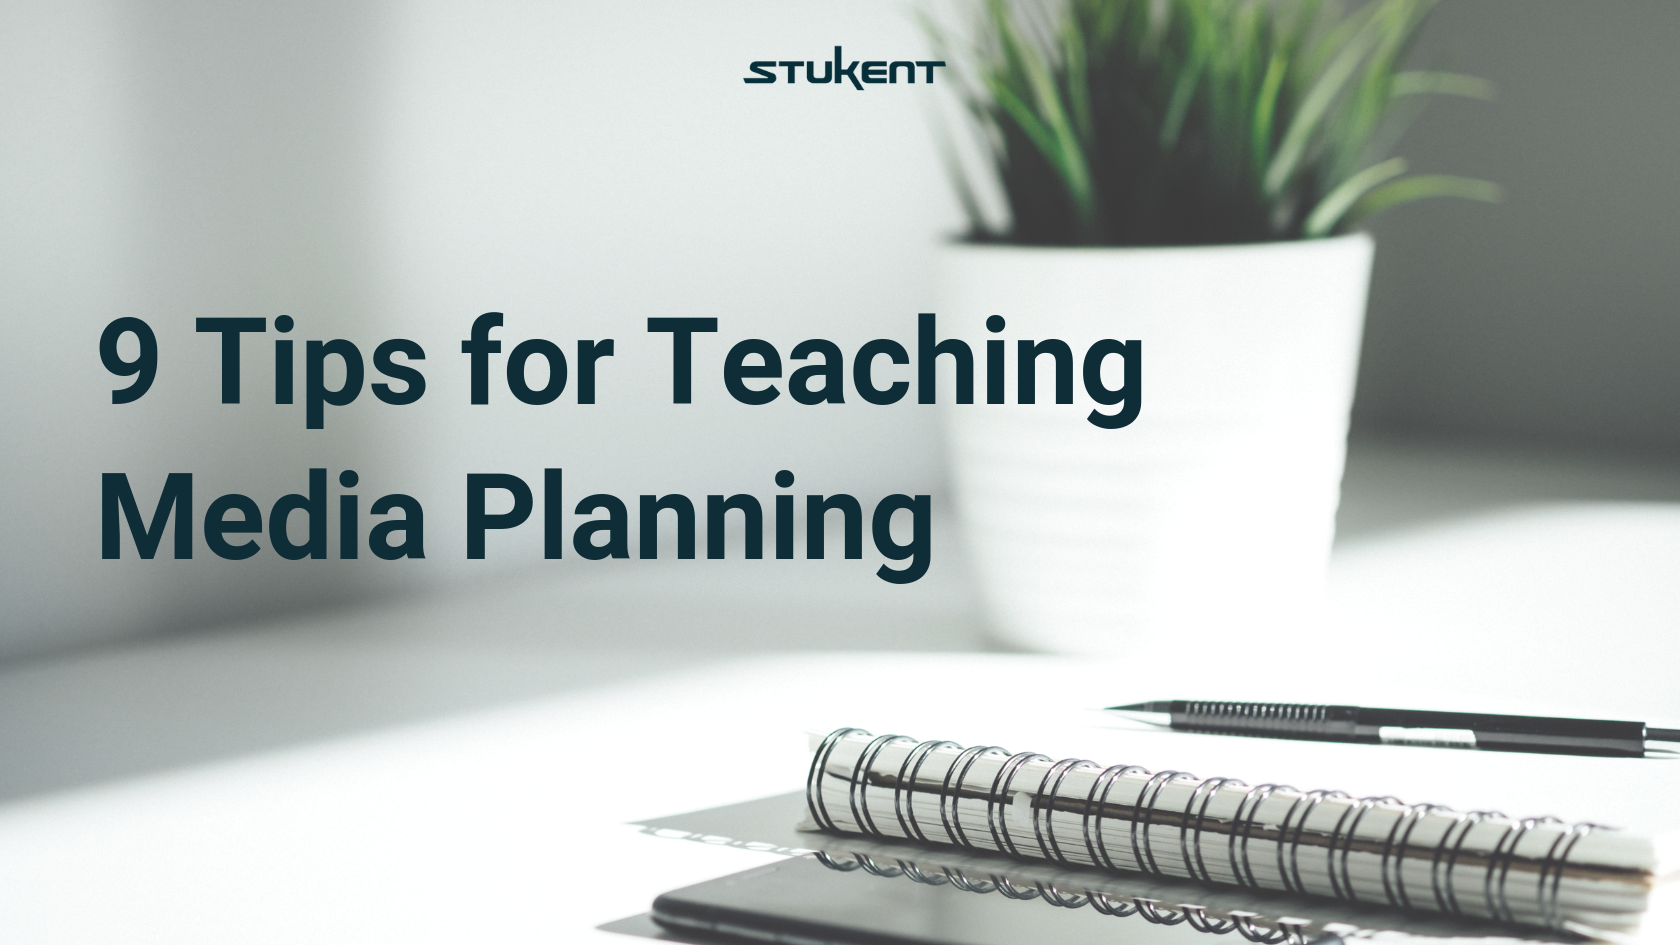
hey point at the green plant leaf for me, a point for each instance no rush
(1316, 104)
(1441, 83)
(1419, 186)
(1337, 202)
(1265, 106)
(1128, 122)
(1037, 108)
(1184, 88)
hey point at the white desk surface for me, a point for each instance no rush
(506, 826)
(410, 808)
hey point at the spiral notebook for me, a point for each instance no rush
(1582, 876)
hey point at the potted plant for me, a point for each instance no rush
(1188, 174)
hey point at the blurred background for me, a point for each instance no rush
(378, 170)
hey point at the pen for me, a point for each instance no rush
(1347, 723)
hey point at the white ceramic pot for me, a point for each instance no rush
(1209, 518)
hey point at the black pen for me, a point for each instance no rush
(1347, 723)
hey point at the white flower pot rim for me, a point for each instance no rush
(1258, 245)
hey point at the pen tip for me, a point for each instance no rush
(1142, 707)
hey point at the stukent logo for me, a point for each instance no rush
(873, 72)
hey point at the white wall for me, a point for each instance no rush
(394, 170)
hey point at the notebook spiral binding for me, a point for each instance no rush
(1122, 825)
(1288, 932)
